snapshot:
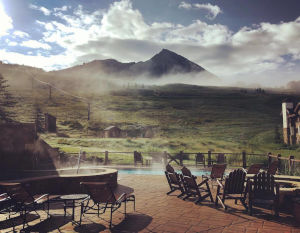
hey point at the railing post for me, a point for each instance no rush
(106, 158)
(244, 159)
(209, 158)
(165, 158)
(291, 165)
(279, 162)
(269, 159)
(181, 158)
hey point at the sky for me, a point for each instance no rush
(243, 42)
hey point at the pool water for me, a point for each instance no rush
(137, 171)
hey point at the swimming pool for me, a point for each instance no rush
(143, 171)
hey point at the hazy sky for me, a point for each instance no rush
(248, 41)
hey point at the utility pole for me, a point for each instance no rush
(89, 111)
(50, 92)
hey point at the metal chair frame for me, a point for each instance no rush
(99, 207)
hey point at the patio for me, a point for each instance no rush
(158, 212)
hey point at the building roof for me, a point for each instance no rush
(111, 127)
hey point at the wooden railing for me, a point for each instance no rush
(290, 163)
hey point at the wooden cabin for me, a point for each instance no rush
(112, 132)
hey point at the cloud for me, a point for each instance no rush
(35, 44)
(185, 5)
(213, 10)
(63, 8)
(20, 34)
(122, 33)
(42, 9)
(5, 21)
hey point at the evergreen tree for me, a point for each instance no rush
(6, 102)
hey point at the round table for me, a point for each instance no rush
(72, 198)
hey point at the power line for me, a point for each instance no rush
(61, 90)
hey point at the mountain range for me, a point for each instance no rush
(164, 67)
(164, 63)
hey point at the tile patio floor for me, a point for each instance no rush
(158, 212)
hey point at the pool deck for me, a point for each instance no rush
(158, 212)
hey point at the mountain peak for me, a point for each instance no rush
(167, 61)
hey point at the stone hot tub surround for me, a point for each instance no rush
(63, 181)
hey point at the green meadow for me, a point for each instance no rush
(182, 118)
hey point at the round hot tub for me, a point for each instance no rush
(63, 181)
(287, 190)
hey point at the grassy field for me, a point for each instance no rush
(181, 117)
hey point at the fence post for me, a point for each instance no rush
(244, 159)
(291, 164)
(279, 162)
(106, 158)
(165, 158)
(269, 159)
(209, 158)
(181, 158)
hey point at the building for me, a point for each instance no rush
(291, 122)
(112, 132)
(50, 123)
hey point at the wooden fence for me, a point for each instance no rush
(287, 165)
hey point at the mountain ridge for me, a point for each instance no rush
(163, 63)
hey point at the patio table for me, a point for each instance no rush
(72, 198)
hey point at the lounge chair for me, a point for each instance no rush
(233, 188)
(255, 168)
(200, 159)
(24, 202)
(273, 168)
(263, 190)
(102, 197)
(6, 205)
(174, 181)
(201, 190)
(217, 172)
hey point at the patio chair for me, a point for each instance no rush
(263, 190)
(102, 197)
(174, 181)
(273, 168)
(23, 202)
(255, 168)
(200, 159)
(6, 205)
(221, 158)
(234, 188)
(217, 172)
(138, 158)
(194, 189)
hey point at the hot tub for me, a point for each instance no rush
(62, 181)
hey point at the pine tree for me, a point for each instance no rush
(6, 102)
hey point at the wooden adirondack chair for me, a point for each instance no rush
(263, 190)
(200, 159)
(174, 181)
(138, 158)
(254, 168)
(192, 188)
(217, 172)
(273, 168)
(221, 158)
(233, 188)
